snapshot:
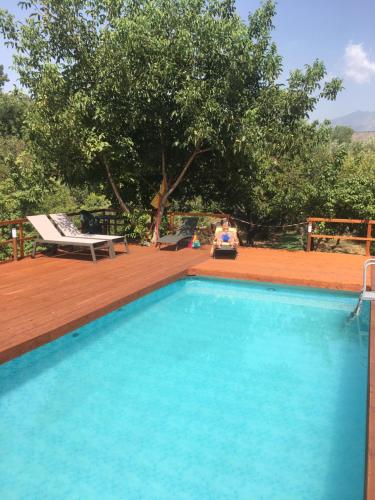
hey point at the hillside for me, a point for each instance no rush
(359, 121)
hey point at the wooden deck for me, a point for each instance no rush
(45, 298)
(323, 270)
(49, 296)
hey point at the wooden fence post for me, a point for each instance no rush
(21, 240)
(14, 243)
(309, 239)
(171, 224)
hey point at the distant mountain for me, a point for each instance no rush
(359, 121)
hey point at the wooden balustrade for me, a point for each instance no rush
(311, 221)
(22, 229)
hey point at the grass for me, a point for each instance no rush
(288, 240)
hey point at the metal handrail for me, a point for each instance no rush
(364, 294)
(366, 265)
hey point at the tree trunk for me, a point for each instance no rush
(164, 199)
(115, 189)
(158, 219)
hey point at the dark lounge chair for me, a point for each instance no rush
(184, 234)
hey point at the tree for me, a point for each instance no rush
(13, 109)
(342, 134)
(146, 91)
(3, 77)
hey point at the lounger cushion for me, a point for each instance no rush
(67, 227)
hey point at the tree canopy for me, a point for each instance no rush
(133, 93)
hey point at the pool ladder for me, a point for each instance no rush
(365, 294)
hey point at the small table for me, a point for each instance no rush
(107, 221)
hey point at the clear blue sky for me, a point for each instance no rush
(340, 32)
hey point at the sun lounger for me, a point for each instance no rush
(225, 249)
(67, 228)
(49, 235)
(185, 233)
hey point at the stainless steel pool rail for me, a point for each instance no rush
(365, 294)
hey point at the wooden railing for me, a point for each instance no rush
(311, 221)
(19, 229)
(17, 237)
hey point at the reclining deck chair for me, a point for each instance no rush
(226, 249)
(67, 228)
(49, 235)
(185, 233)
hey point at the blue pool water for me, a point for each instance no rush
(205, 389)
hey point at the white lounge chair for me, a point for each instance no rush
(49, 235)
(67, 228)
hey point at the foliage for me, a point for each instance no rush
(138, 225)
(13, 108)
(122, 94)
(3, 77)
(26, 187)
(331, 180)
(140, 91)
(342, 134)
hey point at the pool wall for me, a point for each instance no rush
(370, 462)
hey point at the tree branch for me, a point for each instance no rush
(185, 168)
(163, 162)
(121, 202)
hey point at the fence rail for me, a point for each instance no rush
(311, 221)
(19, 229)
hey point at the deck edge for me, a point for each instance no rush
(280, 280)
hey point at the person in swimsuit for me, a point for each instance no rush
(224, 237)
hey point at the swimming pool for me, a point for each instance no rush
(204, 389)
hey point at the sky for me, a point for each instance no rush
(339, 32)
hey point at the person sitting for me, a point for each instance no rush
(225, 238)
